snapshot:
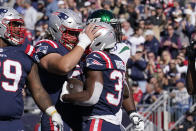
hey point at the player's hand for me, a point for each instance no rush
(138, 123)
(56, 118)
(91, 31)
(64, 91)
(87, 36)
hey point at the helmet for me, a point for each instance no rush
(106, 39)
(11, 26)
(65, 26)
(107, 17)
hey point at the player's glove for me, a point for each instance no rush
(138, 123)
(84, 40)
(56, 118)
(64, 91)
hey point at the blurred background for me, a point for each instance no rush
(158, 32)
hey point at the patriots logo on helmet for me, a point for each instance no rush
(91, 61)
(61, 15)
(3, 11)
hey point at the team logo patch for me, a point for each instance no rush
(91, 61)
(42, 49)
(120, 65)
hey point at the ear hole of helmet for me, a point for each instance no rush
(98, 44)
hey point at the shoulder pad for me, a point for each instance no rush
(45, 47)
(98, 60)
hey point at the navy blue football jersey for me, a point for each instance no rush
(113, 70)
(51, 82)
(15, 65)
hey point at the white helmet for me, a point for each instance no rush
(65, 26)
(106, 40)
(11, 26)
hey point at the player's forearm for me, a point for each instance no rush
(42, 99)
(69, 61)
(191, 75)
(76, 97)
(39, 94)
(86, 97)
(128, 103)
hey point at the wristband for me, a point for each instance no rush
(51, 110)
(84, 40)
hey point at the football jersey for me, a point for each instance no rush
(51, 82)
(113, 70)
(15, 65)
(122, 50)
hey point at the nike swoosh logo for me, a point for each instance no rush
(124, 49)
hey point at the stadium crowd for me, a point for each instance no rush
(157, 31)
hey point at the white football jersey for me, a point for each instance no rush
(122, 50)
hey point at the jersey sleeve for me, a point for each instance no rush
(43, 48)
(98, 60)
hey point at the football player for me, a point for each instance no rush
(60, 55)
(105, 74)
(191, 72)
(122, 50)
(17, 67)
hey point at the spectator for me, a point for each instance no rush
(136, 40)
(188, 123)
(126, 30)
(158, 87)
(133, 16)
(190, 16)
(181, 65)
(149, 26)
(157, 16)
(180, 31)
(30, 17)
(172, 69)
(136, 67)
(171, 42)
(161, 78)
(147, 96)
(137, 92)
(151, 44)
(19, 6)
(51, 7)
(165, 58)
(180, 97)
(150, 69)
(61, 4)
